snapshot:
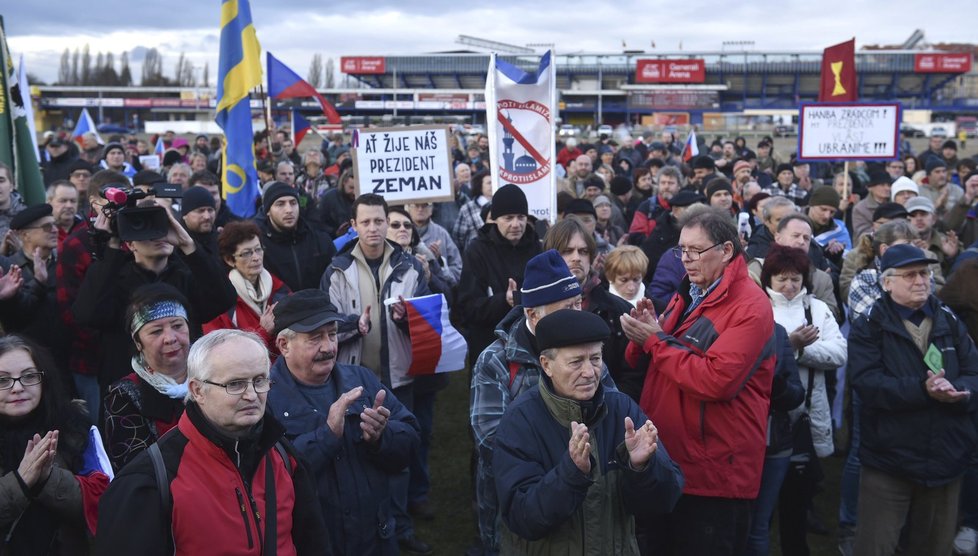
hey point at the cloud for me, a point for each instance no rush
(295, 30)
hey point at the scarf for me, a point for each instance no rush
(159, 381)
(255, 298)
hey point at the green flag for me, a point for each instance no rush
(16, 144)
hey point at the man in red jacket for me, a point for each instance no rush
(708, 386)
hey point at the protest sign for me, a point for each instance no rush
(849, 131)
(149, 162)
(404, 164)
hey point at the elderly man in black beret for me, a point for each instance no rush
(576, 463)
(915, 370)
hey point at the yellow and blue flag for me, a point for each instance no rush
(239, 71)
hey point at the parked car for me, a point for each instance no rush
(567, 130)
(785, 131)
(911, 131)
(605, 129)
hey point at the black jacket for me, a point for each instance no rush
(610, 307)
(663, 237)
(335, 209)
(904, 431)
(57, 168)
(104, 295)
(298, 256)
(787, 393)
(488, 262)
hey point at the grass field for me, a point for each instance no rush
(453, 528)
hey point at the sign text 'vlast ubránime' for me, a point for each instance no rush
(404, 164)
(848, 131)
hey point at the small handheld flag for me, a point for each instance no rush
(436, 346)
(85, 124)
(691, 149)
(300, 127)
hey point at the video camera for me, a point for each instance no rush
(134, 223)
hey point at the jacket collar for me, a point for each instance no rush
(566, 410)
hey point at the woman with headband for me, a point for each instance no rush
(143, 405)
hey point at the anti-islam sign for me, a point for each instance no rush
(520, 112)
(853, 131)
(404, 164)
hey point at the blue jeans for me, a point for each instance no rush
(772, 476)
(849, 501)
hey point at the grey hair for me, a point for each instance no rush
(287, 334)
(776, 202)
(550, 353)
(674, 173)
(198, 361)
(183, 165)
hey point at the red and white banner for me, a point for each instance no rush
(670, 71)
(363, 65)
(520, 111)
(959, 62)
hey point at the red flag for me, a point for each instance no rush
(838, 83)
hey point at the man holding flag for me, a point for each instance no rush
(239, 71)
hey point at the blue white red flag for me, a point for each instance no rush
(160, 148)
(520, 110)
(691, 149)
(95, 458)
(84, 125)
(300, 127)
(284, 83)
(436, 346)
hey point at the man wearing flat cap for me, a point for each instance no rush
(350, 428)
(32, 310)
(575, 463)
(915, 370)
(511, 366)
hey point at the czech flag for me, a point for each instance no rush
(93, 479)
(691, 149)
(84, 125)
(160, 148)
(300, 127)
(436, 346)
(284, 83)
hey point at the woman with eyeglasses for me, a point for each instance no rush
(142, 406)
(239, 246)
(45, 490)
(402, 231)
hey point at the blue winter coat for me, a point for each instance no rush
(903, 430)
(353, 477)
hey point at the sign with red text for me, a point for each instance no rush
(958, 62)
(670, 71)
(848, 131)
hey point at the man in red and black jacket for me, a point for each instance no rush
(711, 361)
(670, 181)
(224, 477)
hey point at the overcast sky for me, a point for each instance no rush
(294, 30)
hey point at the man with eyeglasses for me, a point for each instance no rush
(711, 358)
(353, 432)
(914, 368)
(32, 310)
(232, 480)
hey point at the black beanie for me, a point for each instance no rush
(783, 168)
(147, 177)
(620, 185)
(171, 157)
(718, 184)
(509, 199)
(704, 162)
(274, 191)
(194, 198)
(594, 181)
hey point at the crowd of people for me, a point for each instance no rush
(654, 372)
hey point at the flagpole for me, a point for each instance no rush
(267, 115)
(845, 181)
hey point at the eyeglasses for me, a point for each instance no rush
(81, 175)
(395, 225)
(237, 387)
(27, 379)
(913, 276)
(249, 253)
(692, 254)
(47, 227)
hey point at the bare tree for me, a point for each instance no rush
(64, 68)
(207, 74)
(125, 74)
(315, 77)
(110, 77)
(330, 79)
(86, 66)
(153, 69)
(75, 75)
(98, 73)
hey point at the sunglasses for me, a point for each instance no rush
(397, 225)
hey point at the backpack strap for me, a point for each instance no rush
(162, 478)
(269, 547)
(280, 448)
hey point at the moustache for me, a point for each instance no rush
(324, 357)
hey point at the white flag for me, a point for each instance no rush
(520, 111)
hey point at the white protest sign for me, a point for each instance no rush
(404, 164)
(849, 131)
(149, 162)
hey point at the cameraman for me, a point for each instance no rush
(174, 259)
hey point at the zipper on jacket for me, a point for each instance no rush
(244, 517)
(257, 514)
